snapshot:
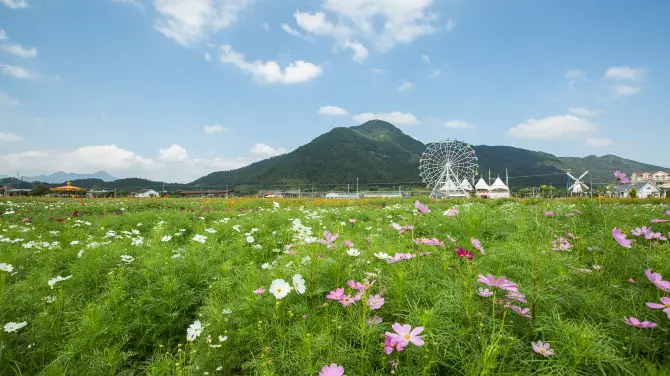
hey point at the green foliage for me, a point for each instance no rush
(633, 193)
(40, 190)
(117, 318)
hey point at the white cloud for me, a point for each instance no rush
(6, 100)
(584, 112)
(624, 73)
(16, 71)
(623, 90)
(396, 118)
(291, 31)
(18, 50)
(360, 52)
(15, 4)
(332, 111)
(406, 85)
(266, 26)
(3, 35)
(574, 74)
(214, 128)
(208, 56)
(189, 22)
(459, 124)
(174, 153)
(451, 24)
(382, 23)
(426, 59)
(267, 151)
(552, 127)
(599, 142)
(10, 137)
(270, 72)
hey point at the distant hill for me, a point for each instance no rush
(62, 176)
(378, 152)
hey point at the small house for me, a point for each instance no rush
(145, 193)
(644, 190)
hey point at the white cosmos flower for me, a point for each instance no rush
(80, 253)
(280, 288)
(223, 338)
(53, 281)
(166, 238)
(14, 326)
(382, 256)
(127, 259)
(194, 330)
(236, 228)
(50, 299)
(210, 230)
(227, 312)
(6, 267)
(353, 252)
(200, 238)
(299, 284)
(250, 239)
(266, 266)
(74, 242)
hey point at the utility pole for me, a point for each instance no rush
(356, 186)
(347, 187)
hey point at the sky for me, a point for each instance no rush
(172, 90)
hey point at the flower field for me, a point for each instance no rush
(313, 287)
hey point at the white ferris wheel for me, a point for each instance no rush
(449, 168)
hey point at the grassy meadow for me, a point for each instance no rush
(255, 287)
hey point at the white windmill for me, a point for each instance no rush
(578, 186)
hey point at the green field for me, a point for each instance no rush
(171, 287)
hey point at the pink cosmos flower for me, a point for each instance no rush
(358, 296)
(390, 345)
(404, 334)
(620, 176)
(517, 296)
(427, 241)
(657, 280)
(477, 244)
(337, 294)
(332, 370)
(549, 214)
(632, 321)
(347, 300)
(667, 213)
(259, 291)
(656, 220)
(356, 285)
(641, 231)
(374, 320)
(467, 255)
(665, 305)
(421, 207)
(620, 238)
(329, 238)
(451, 212)
(561, 244)
(349, 244)
(352, 220)
(542, 348)
(500, 283)
(485, 292)
(396, 226)
(521, 311)
(375, 302)
(631, 280)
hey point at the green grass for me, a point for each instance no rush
(113, 318)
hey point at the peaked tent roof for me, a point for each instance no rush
(465, 184)
(481, 184)
(498, 184)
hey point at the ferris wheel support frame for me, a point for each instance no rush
(444, 184)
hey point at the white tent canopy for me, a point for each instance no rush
(465, 184)
(498, 189)
(481, 185)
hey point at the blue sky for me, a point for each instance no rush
(175, 89)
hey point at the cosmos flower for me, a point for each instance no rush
(665, 305)
(299, 284)
(199, 238)
(521, 311)
(353, 252)
(14, 326)
(349, 244)
(421, 207)
(374, 320)
(53, 281)
(485, 292)
(6, 267)
(621, 177)
(521, 298)
(390, 344)
(620, 238)
(657, 280)
(462, 253)
(280, 288)
(332, 370)
(127, 259)
(375, 302)
(166, 238)
(347, 300)
(542, 348)
(549, 214)
(404, 334)
(250, 239)
(500, 283)
(477, 244)
(336, 295)
(194, 330)
(632, 321)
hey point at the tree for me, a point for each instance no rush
(96, 187)
(40, 190)
(633, 193)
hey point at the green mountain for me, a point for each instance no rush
(378, 153)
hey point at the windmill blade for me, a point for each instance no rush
(573, 178)
(572, 186)
(584, 174)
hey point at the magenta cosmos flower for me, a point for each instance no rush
(542, 348)
(404, 334)
(421, 207)
(632, 321)
(620, 176)
(620, 238)
(462, 253)
(332, 370)
(657, 280)
(390, 345)
(549, 214)
(477, 244)
(500, 283)
(665, 305)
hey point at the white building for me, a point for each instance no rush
(145, 193)
(482, 188)
(498, 189)
(382, 195)
(644, 190)
(341, 195)
(660, 178)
